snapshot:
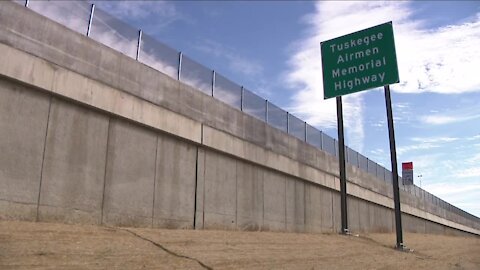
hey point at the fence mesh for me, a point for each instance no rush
(352, 157)
(72, 14)
(277, 117)
(388, 176)
(380, 172)
(328, 144)
(196, 75)
(159, 56)
(296, 127)
(227, 91)
(314, 136)
(363, 162)
(372, 167)
(254, 105)
(114, 33)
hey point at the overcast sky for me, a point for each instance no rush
(273, 49)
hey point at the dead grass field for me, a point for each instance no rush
(27, 245)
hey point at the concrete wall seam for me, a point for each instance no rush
(105, 171)
(154, 180)
(43, 156)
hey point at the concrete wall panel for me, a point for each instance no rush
(74, 165)
(319, 209)
(220, 197)
(353, 214)
(391, 222)
(200, 189)
(389, 219)
(130, 175)
(290, 204)
(274, 196)
(295, 205)
(326, 210)
(11, 210)
(337, 215)
(364, 215)
(413, 224)
(174, 183)
(434, 228)
(383, 218)
(314, 208)
(378, 223)
(371, 217)
(23, 124)
(300, 206)
(249, 197)
(455, 232)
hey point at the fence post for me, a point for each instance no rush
(335, 148)
(321, 140)
(139, 44)
(213, 82)
(241, 98)
(368, 166)
(305, 130)
(180, 57)
(358, 160)
(288, 123)
(90, 20)
(266, 111)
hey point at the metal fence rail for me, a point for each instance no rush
(87, 19)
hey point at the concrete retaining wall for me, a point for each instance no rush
(92, 136)
(73, 169)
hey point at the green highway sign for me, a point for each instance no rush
(359, 61)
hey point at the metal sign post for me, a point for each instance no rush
(356, 62)
(90, 20)
(393, 157)
(341, 159)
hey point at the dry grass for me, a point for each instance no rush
(25, 245)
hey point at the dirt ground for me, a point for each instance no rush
(28, 245)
